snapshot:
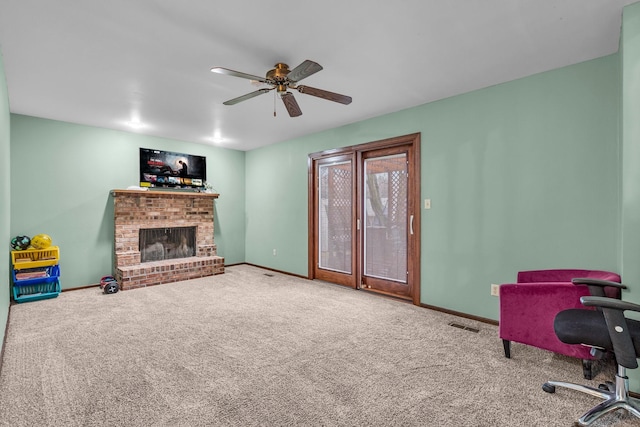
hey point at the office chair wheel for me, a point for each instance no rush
(549, 388)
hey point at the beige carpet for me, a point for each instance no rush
(247, 349)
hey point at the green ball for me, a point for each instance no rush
(20, 243)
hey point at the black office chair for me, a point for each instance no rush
(605, 329)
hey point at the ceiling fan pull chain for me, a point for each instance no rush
(274, 103)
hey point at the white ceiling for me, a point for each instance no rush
(104, 63)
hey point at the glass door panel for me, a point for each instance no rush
(385, 231)
(335, 213)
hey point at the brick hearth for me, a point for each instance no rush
(134, 209)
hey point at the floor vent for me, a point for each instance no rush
(466, 328)
(268, 274)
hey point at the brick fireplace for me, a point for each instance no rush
(138, 212)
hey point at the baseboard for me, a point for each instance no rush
(77, 288)
(270, 269)
(4, 340)
(460, 314)
(80, 287)
(430, 307)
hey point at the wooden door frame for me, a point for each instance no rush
(414, 207)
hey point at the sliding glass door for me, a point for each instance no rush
(364, 219)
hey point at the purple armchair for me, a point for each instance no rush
(528, 309)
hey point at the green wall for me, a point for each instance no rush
(630, 59)
(5, 196)
(523, 175)
(61, 177)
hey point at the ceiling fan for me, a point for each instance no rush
(282, 78)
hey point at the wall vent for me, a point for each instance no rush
(464, 327)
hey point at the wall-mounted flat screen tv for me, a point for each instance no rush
(168, 169)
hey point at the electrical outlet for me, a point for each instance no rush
(274, 252)
(495, 290)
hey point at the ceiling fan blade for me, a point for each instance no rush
(247, 96)
(233, 73)
(291, 104)
(325, 94)
(304, 70)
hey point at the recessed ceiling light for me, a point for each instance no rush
(216, 138)
(135, 124)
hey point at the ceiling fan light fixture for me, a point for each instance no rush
(279, 73)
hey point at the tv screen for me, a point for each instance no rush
(168, 169)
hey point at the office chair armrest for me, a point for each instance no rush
(619, 333)
(596, 286)
(616, 304)
(597, 282)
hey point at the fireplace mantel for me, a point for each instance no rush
(139, 209)
(162, 193)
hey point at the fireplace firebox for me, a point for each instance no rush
(157, 244)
